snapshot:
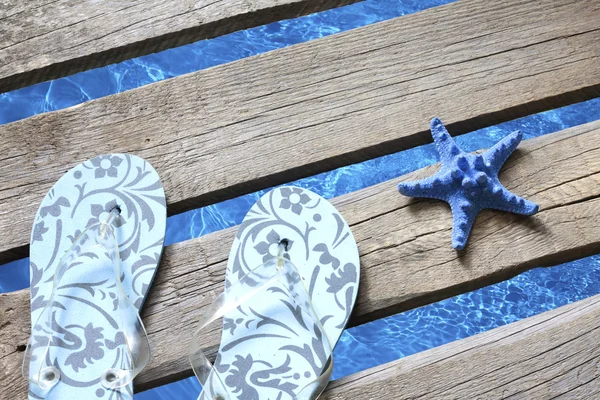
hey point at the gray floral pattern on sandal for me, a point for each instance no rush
(84, 329)
(268, 349)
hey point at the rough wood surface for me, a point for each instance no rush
(270, 119)
(405, 247)
(44, 39)
(554, 355)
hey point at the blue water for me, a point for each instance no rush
(379, 341)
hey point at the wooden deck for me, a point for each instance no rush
(211, 135)
(343, 99)
(42, 40)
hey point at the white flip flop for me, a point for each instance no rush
(292, 280)
(95, 246)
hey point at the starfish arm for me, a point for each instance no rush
(505, 200)
(431, 187)
(444, 143)
(499, 153)
(463, 217)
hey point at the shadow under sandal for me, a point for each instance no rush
(291, 283)
(96, 243)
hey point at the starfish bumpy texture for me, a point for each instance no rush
(469, 182)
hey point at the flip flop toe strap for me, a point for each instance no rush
(279, 273)
(96, 246)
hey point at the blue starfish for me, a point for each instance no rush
(469, 182)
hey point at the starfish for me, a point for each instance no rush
(469, 182)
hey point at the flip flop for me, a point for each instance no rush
(291, 283)
(96, 242)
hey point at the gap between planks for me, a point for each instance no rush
(405, 246)
(553, 355)
(41, 40)
(237, 128)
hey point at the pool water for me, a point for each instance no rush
(373, 343)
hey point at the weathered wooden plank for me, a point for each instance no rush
(554, 355)
(13, 312)
(239, 127)
(43, 39)
(406, 256)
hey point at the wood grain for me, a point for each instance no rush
(405, 247)
(47, 39)
(294, 112)
(553, 355)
